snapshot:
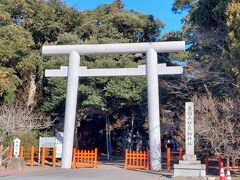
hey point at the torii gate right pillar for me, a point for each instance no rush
(153, 110)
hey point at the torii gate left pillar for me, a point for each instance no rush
(152, 70)
(70, 109)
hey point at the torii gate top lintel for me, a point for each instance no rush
(124, 48)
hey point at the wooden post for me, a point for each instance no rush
(126, 159)
(10, 151)
(144, 159)
(180, 153)
(32, 156)
(43, 156)
(95, 162)
(88, 153)
(1, 154)
(206, 162)
(136, 159)
(21, 152)
(219, 161)
(168, 159)
(54, 157)
(234, 164)
(148, 159)
(79, 157)
(84, 158)
(74, 158)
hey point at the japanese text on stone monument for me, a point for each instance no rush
(189, 125)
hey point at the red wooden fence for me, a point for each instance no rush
(136, 160)
(84, 158)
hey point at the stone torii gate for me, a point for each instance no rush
(152, 69)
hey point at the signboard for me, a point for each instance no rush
(47, 142)
(59, 143)
(16, 147)
(50, 142)
(189, 127)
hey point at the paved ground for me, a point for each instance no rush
(104, 172)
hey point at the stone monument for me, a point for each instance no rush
(189, 166)
(16, 162)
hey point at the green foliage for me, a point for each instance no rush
(233, 23)
(127, 88)
(181, 5)
(212, 30)
(29, 64)
(27, 25)
(107, 24)
(8, 84)
(24, 27)
(15, 42)
(55, 94)
(29, 139)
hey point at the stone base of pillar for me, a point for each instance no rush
(190, 169)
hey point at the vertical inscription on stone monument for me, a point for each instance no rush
(189, 127)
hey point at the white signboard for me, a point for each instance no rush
(189, 127)
(58, 150)
(16, 147)
(59, 143)
(47, 142)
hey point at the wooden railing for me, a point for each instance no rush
(172, 156)
(48, 153)
(136, 159)
(84, 158)
(27, 154)
(31, 153)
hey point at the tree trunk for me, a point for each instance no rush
(107, 138)
(31, 91)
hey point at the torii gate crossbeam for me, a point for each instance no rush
(152, 70)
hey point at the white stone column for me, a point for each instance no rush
(189, 132)
(153, 110)
(70, 110)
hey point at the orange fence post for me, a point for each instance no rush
(180, 153)
(95, 162)
(43, 156)
(168, 159)
(133, 159)
(234, 164)
(126, 159)
(1, 152)
(206, 162)
(219, 161)
(148, 160)
(74, 158)
(10, 151)
(84, 157)
(54, 157)
(21, 152)
(32, 156)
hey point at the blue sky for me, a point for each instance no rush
(159, 8)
